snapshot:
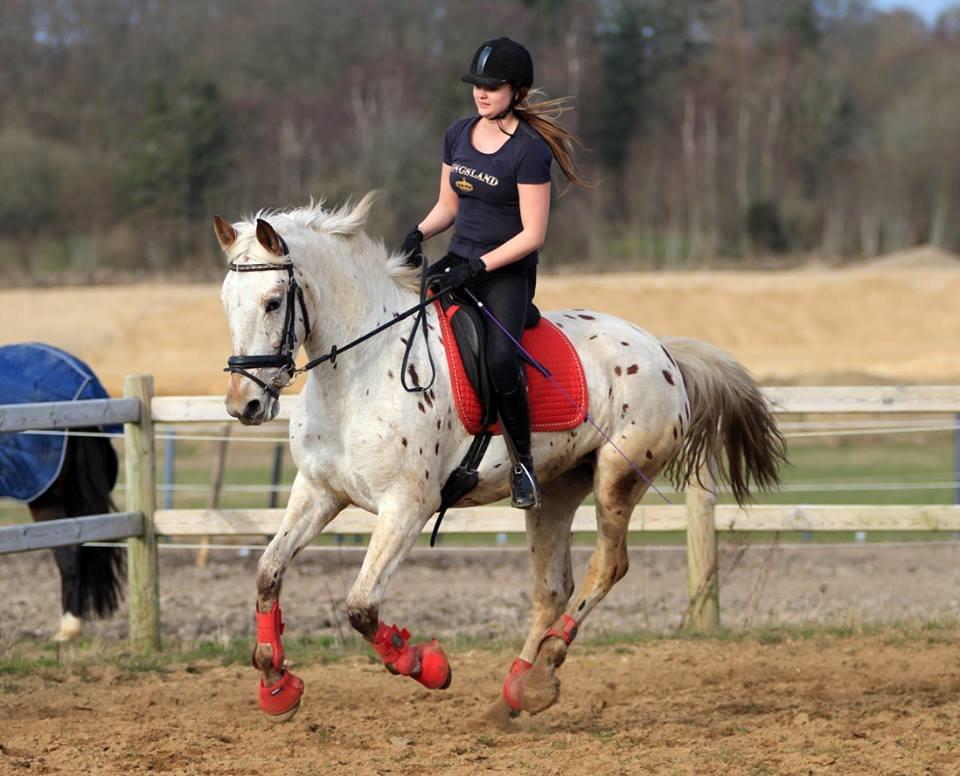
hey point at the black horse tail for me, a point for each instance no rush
(91, 474)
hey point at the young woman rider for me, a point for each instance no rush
(495, 192)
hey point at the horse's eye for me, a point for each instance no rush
(273, 305)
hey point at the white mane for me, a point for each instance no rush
(346, 221)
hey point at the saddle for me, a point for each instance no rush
(558, 398)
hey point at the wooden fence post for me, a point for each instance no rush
(143, 597)
(702, 582)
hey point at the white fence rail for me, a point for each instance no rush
(700, 517)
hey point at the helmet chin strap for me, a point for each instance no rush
(500, 117)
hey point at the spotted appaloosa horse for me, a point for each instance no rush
(358, 438)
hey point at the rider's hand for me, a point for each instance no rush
(411, 250)
(454, 271)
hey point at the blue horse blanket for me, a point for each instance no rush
(32, 372)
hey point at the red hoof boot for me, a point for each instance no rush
(435, 673)
(425, 662)
(283, 697)
(513, 685)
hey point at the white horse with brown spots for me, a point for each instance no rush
(312, 279)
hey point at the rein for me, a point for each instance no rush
(284, 359)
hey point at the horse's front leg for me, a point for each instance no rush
(397, 529)
(310, 508)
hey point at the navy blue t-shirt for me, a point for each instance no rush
(489, 208)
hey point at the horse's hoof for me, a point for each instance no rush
(70, 628)
(281, 700)
(447, 683)
(435, 672)
(286, 716)
(541, 688)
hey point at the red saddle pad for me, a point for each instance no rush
(551, 408)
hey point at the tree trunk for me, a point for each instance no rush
(689, 131)
(774, 112)
(742, 175)
(712, 227)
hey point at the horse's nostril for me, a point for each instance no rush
(251, 410)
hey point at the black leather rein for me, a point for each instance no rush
(288, 345)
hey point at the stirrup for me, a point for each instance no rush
(520, 471)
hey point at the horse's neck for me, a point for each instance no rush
(347, 300)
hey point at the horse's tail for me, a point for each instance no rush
(731, 426)
(86, 491)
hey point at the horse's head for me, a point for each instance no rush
(267, 318)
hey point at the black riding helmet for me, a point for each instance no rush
(501, 61)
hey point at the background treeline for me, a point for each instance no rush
(724, 128)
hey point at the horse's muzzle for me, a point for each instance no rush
(250, 407)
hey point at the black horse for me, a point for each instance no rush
(63, 476)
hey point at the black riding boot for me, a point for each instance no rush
(514, 412)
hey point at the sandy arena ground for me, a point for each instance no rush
(880, 704)
(892, 320)
(887, 703)
(823, 706)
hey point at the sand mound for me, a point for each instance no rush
(924, 257)
(794, 326)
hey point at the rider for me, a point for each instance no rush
(495, 192)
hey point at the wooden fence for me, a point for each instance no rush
(700, 516)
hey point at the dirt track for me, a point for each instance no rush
(881, 704)
(829, 705)
(485, 594)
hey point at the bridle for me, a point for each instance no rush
(284, 359)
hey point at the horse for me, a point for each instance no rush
(61, 476)
(312, 278)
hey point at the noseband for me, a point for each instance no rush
(288, 345)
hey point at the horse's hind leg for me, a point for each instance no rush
(49, 506)
(71, 621)
(548, 536)
(309, 510)
(618, 489)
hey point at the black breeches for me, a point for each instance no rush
(507, 293)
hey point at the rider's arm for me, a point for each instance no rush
(445, 211)
(534, 213)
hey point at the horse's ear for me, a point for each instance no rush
(226, 234)
(269, 239)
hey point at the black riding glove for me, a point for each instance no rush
(411, 250)
(454, 271)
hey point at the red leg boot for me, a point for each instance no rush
(425, 662)
(513, 685)
(282, 697)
